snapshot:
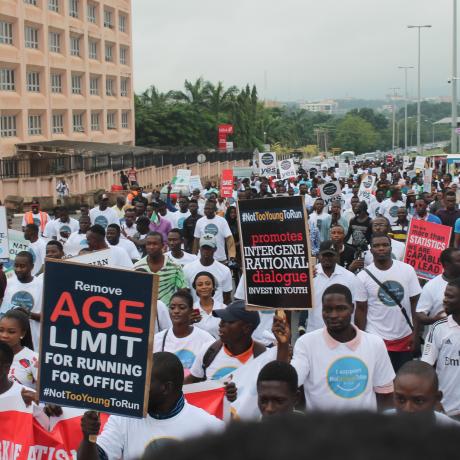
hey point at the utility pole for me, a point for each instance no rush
(454, 138)
(395, 93)
(406, 97)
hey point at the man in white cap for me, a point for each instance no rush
(102, 214)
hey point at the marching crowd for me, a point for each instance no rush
(377, 339)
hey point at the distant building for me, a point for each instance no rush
(271, 104)
(65, 72)
(326, 106)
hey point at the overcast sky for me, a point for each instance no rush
(311, 49)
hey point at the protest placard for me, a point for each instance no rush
(425, 242)
(4, 246)
(343, 170)
(243, 172)
(226, 183)
(16, 244)
(287, 169)
(182, 177)
(427, 180)
(330, 191)
(100, 258)
(419, 164)
(276, 252)
(267, 164)
(366, 188)
(406, 161)
(97, 338)
(195, 183)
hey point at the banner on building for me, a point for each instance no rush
(96, 342)
(276, 248)
(424, 244)
(267, 164)
(287, 169)
(226, 183)
(366, 188)
(330, 191)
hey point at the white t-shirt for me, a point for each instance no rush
(320, 283)
(38, 252)
(128, 246)
(185, 348)
(218, 227)
(75, 243)
(119, 258)
(24, 368)
(103, 218)
(57, 227)
(27, 296)
(442, 347)
(163, 320)
(384, 317)
(177, 219)
(389, 209)
(375, 208)
(432, 296)
(209, 323)
(127, 438)
(397, 252)
(186, 258)
(342, 376)
(221, 273)
(130, 231)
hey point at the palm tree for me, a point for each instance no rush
(196, 94)
(220, 99)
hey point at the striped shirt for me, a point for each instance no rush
(171, 277)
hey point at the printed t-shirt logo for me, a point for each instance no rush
(180, 223)
(101, 220)
(393, 211)
(211, 229)
(37, 222)
(65, 229)
(347, 377)
(22, 299)
(395, 288)
(186, 358)
(222, 372)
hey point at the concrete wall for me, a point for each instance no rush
(81, 183)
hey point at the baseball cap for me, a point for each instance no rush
(208, 240)
(236, 311)
(104, 196)
(327, 247)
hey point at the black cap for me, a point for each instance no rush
(328, 247)
(237, 311)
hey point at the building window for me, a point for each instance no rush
(33, 81)
(55, 42)
(91, 13)
(75, 46)
(109, 53)
(123, 55)
(94, 86)
(77, 123)
(95, 125)
(122, 23)
(31, 37)
(58, 123)
(8, 126)
(76, 84)
(111, 120)
(125, 120)
(31, 2)
(92, 49)
(73, 8)
(7, 80)
(6, 33)
(35, 125)
(108, 19)
(109, 87)
(53, 5)
(56, 83)
(124, 87)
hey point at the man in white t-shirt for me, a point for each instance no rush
(390, 206)
(207, 263)
(377, 309)
(177, 218)
(114, 240)
(169, 417)
(25, 291)
(103, 215)
(128, 229)
(37, 247)
(340, 367)
(77, 240)
(430, 304)
(176, 253)
(211, 224)
(442, 349)
(61, 228)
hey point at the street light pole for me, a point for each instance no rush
(419, 144)
(395, 93)
(453, 139)
(406, 97)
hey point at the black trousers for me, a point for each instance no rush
(398, 358)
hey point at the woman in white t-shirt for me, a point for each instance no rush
(15, 332)
(182, 339)
(204, 284)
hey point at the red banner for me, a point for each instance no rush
(224, 130)
(226, 183)
(425, 242)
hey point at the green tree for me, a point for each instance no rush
(355, 133)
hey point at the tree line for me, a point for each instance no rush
(191, 117)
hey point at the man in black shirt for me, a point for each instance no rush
(346, 252)
(189, 225)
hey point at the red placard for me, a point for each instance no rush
(226, 183)
(425, 242)
(225, 129)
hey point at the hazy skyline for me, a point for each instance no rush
(310, 49)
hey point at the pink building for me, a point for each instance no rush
(65, 72)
